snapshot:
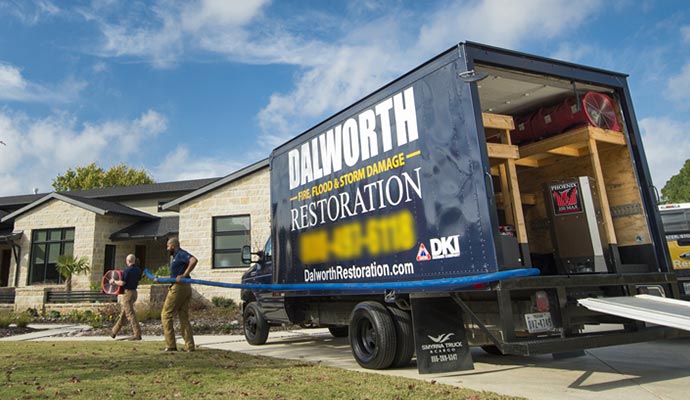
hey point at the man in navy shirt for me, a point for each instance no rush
(178, 298)
(130, 282)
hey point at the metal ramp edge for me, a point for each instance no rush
(657, 310)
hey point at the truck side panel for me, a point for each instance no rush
(390, 189)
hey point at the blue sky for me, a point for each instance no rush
(191, 89)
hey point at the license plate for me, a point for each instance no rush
(539, 322)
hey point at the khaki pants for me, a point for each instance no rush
(128, 313)
(177, 302)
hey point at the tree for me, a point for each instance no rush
(677, 189)
(68, 265)
(93, 177)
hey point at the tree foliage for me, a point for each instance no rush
(677, 189)
(68, 265)
(93, 176)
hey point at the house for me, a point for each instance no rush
(213, 219)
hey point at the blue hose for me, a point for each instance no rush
(431, 283)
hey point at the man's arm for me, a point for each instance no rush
(190, 268)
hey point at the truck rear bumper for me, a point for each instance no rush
(591, 340)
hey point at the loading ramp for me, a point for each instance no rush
(653, 309)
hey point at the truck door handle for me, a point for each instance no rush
(490, 184)
(656, 193)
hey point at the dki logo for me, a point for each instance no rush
(445, 247)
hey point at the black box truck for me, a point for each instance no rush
(477, 200)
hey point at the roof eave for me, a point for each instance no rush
(175, 204)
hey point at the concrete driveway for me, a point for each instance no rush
(655, 370)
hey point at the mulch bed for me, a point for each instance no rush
(13, 330)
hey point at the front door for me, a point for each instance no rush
(140, 254)
(5, 267)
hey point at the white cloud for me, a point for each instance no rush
(179, 164)
(685, 33)
(30, 12)
(667, 146)
(678, 87)
(503, 23)
(351, 59)
(376, 52)
(165, 30)
(37, 150)
(14, 87)
(99, 67)
(220, 13)
(573, 52)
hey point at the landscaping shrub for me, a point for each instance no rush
(22, 320)
(5, 321)
(223, 302)
(163, 271)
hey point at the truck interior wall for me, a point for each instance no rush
(627, 215)
(621, 188)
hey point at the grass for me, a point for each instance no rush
(106, 370)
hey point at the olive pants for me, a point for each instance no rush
(177, 302)
(128, 313)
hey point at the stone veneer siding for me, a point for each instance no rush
(248, 195)
(91, 234)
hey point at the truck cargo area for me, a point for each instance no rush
(534, 143)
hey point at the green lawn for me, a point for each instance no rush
(122, 370)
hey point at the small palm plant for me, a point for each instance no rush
(68, 265)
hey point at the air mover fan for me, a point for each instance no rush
(594, 109)
(105, 282)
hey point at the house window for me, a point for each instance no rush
(229, 235)
(109, 259)
(46, 246)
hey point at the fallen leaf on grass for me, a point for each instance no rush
(75, 379)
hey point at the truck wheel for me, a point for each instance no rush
(255, 325)
(372, 335)
(338, 331)
(404, 337)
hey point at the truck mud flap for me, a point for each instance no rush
(440, 340)
(653, 309)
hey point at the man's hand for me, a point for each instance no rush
(179, 277)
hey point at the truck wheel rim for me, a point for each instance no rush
(367, 336)
(251, 324)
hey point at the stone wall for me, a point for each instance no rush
(104, 227)
(248, 195)
(29, 297)
(50, 215)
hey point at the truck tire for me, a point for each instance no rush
(372, 335)
(404, 337)
(338, 331)
(255, 325)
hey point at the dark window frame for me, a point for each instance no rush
(47, 241)
(109, 257)
(215, 234)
